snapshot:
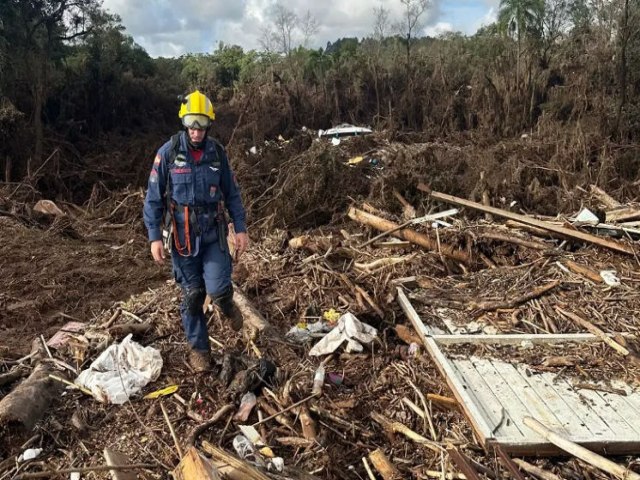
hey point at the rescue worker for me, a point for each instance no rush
(190, 186)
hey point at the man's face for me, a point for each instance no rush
(196, 135)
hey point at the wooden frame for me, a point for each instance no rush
(496, 396)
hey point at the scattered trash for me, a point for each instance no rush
(121, 371)
(610, 277)
(244, 448)
(355, 160)
(74, 476)
(344, 130)
(62, 336)
(348, 329)
(29, 454)
(318, 381)
(254, 437)
(276, 465)
(335, 141)
(303, 332)
(246, 405)
(588, 217)
(335, 378)
(254, 150)
(48, 208)
(161, 393)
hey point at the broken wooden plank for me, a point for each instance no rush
(581, 452)
(115, 458)
(523, 242)
(573, 234)
(383, 465)
(397, 427)
(517, 338)
(410, 235)
(478, 420)
(193, 466)
(585, 271)
(463, 464)
(248, 471)
(506, 460)
(535, 471)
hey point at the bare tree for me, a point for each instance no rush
(284, 21)
(381, 22)
(411, 21)
(309, 27)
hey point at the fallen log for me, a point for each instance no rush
(31, 399)
(410, 235)
(573, 234)
(14, 374)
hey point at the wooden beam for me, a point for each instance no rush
(569, 233)
(410, 235)
(517, 338)
(463, 464)
(468, 405)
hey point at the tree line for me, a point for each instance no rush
(70, 72)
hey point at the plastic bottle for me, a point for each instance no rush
(318, 381)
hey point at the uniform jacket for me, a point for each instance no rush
(198, 185)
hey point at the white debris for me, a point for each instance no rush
(610, 277)
(349, 329)
(121, 371)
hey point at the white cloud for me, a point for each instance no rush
(438, 29)
(175, 27)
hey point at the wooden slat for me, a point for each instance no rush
(492, 405)
(515, 409)
(599, 429)
(632, 398)
(528, 395)
(556, 403)
(515, 338)
(469, 407)
(621, 407)
(526, 220)
(608, 414)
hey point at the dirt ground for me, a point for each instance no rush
(93, 263)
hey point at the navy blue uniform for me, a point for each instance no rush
(200, 186)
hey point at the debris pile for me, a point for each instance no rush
(385, 314)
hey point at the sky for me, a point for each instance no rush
(170, 28)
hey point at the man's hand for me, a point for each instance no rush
(157, 252)
(242, 243)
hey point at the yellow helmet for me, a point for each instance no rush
(196, 111)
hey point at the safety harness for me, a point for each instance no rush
(170, 230)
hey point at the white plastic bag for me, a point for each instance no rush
(121, 371)
(348, 329)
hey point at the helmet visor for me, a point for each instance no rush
(195, 121)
